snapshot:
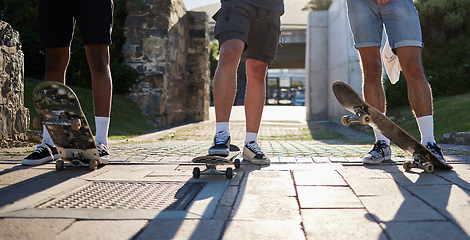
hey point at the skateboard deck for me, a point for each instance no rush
(366, 114)
(212, 161)
(59, 110)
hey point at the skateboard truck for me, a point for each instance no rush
(419, 161)
(75, 123)
(211, 169)
(76, 161)
(361, 117)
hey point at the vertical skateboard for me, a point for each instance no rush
(59, 110)
(212, 161)
(366, 114)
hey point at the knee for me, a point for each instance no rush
(372, 69)
(231, 51)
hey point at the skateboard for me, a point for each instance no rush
(212, 161)
(59, 110)
(366, 114)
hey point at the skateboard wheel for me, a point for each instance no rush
(93, 165)
(428, 167)
(237, 163)
(37, 122)
(229, 173)
(365, 119)
(59, 165)
(76, 124)
(345, 120)
(196, 172)
(407, 166)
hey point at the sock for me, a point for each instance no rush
(222, 127)
(380, 136)
(102, 127)
(46, 137)
(250, 137)
(426, 128)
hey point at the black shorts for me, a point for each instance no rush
(57, 20)
(258, 28)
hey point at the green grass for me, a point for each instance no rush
(451, 114)
(126, 117)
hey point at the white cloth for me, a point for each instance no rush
(391, 63)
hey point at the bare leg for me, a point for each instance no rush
(225, 79)
(98, 60)
(419, 91)
(255, 93)
(373, 90)
(57, 60)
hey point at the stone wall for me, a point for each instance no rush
(170, 48)
(14, 117)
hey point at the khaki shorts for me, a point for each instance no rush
(258, 28)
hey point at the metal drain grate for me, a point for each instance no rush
(128, 195)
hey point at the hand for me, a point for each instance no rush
(382, 2)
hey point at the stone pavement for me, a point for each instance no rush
(314, 189)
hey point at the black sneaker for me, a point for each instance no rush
(434, 148)
(104, 153)
(380, 153)
(43, 153)
(252, 153)
(221, 144)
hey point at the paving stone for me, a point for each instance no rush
(318, 178)
(32, 228)
(452, 201)
(182, 229)
(266, 207)
(362, 172)
(400, 208)
(423, 230)
(229, 197)
(339, 224)
(411, 178)
(375, 187)
(264, 230)
(269, 186)
(459, 176)
(327, 197)
(114, 230)
(13, 177)
(321, 160)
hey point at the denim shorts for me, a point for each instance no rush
(399, 17)
(257, 27)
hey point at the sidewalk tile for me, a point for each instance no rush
(337, 224)
(115, 230)
(327, 197)
(32, 228)
(181, 229)
(423, 230)
(318, 178)
(264, 230)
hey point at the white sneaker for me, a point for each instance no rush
(380, 153)
(252, 153)
(104, 153)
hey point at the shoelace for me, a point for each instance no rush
(379, 147)
(40, 147)
(102, 148)
(221, 138)
(254, 147)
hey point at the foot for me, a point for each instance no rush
(221, 144)
(43, 153)
(104, 153)
(434, 148)
(252, 153)
(380, 153)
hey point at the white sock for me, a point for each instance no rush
(46, 137)
(426, 128)
(380, 136)
(222, 127)
(102, 128)
(250, 137)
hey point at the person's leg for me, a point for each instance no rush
(224, 91)
(374, 94)
(255, 94)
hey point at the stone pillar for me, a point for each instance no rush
(170, 47)
(14, 117)
(316, 65)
